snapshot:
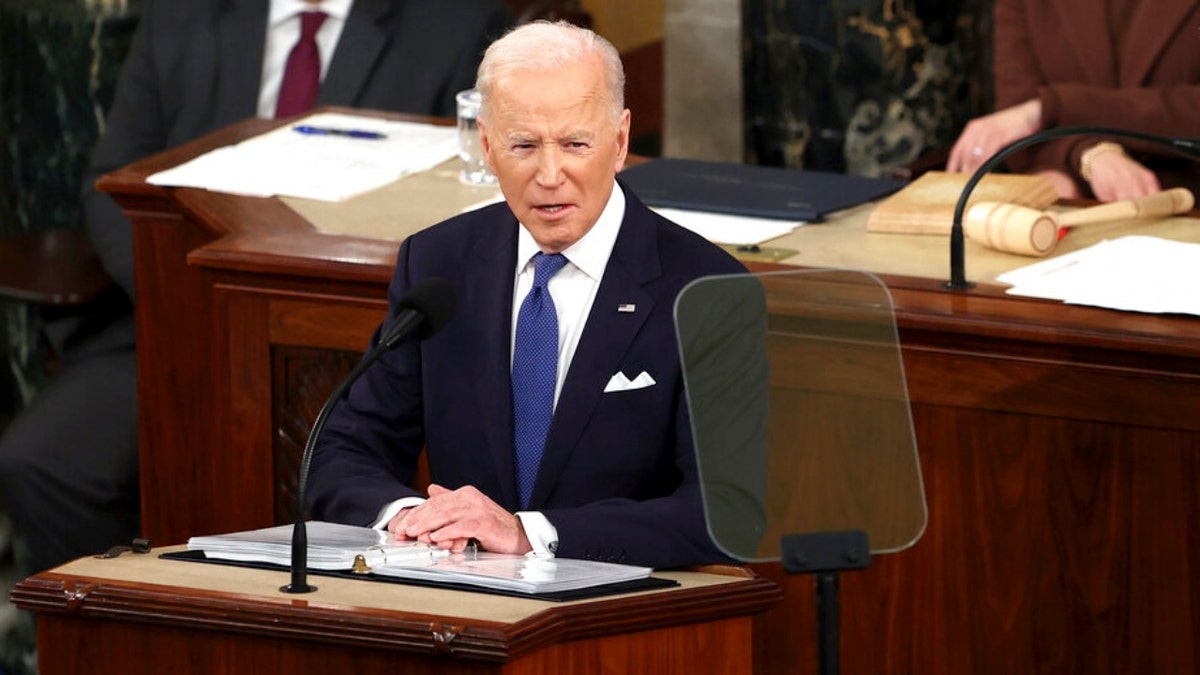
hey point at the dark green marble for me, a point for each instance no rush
(861, 86)
(58, 67)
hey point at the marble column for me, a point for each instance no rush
(58, 67)
(702, 80)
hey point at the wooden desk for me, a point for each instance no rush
(1060, 445)
(121, 615)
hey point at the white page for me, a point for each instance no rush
(285, 162)
(1133, 273)
(729, 229)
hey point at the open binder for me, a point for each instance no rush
(360, 552)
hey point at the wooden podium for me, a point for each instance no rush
(1060, 445)
(139, 611)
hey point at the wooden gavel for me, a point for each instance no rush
(1028, 231)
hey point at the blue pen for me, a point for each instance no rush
(348, 133)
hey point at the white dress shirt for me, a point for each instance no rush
(573, 290)
(574, 287)
(283, 30)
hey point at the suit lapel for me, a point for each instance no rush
(490, 287)
(1153, 24)
(605, 340)
(239, 45)
(363, 39)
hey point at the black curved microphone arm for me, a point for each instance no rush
(420, 314)
(299, 583)
(958, 275)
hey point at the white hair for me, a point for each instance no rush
(543, 46)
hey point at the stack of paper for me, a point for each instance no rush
(327, 167)
(1133, 273)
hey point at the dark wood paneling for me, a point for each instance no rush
(549, 10)
(177, 381)
(304, 377)
(1053, 545)
(644, 96)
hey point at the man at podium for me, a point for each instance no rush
(551, 405)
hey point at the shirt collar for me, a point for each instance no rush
(282, 10)
(591, 253)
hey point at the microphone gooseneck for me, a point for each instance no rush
(958, 275)
(420, 314)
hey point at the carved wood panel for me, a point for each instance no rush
(303, 377)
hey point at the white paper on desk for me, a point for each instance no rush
(284, 162)
(1133, 273)
(729, 229)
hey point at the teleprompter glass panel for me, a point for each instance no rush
(799, 410)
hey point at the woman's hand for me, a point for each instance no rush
(1114, 175)
(984, 136)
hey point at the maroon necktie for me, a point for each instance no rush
(302, 76)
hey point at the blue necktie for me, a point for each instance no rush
(535, 372)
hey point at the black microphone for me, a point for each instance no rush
(420, 314)
(958, 275)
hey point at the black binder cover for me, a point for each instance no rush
(749, 190)
(649, 583)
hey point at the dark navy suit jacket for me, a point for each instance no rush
(618, 477)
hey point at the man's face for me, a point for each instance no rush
(551, 141)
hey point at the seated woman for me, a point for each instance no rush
(1118, 63)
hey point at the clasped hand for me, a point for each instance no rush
(1117, 176)
(449, 519)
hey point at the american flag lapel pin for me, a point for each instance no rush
(627, 308)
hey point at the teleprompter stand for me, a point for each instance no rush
(824, 555)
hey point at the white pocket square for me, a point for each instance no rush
(621, 383)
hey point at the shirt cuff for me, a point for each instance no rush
(542, 536)
(389, 511)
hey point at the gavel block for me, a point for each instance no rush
(1026, 231)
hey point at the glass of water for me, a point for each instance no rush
(470, 150)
